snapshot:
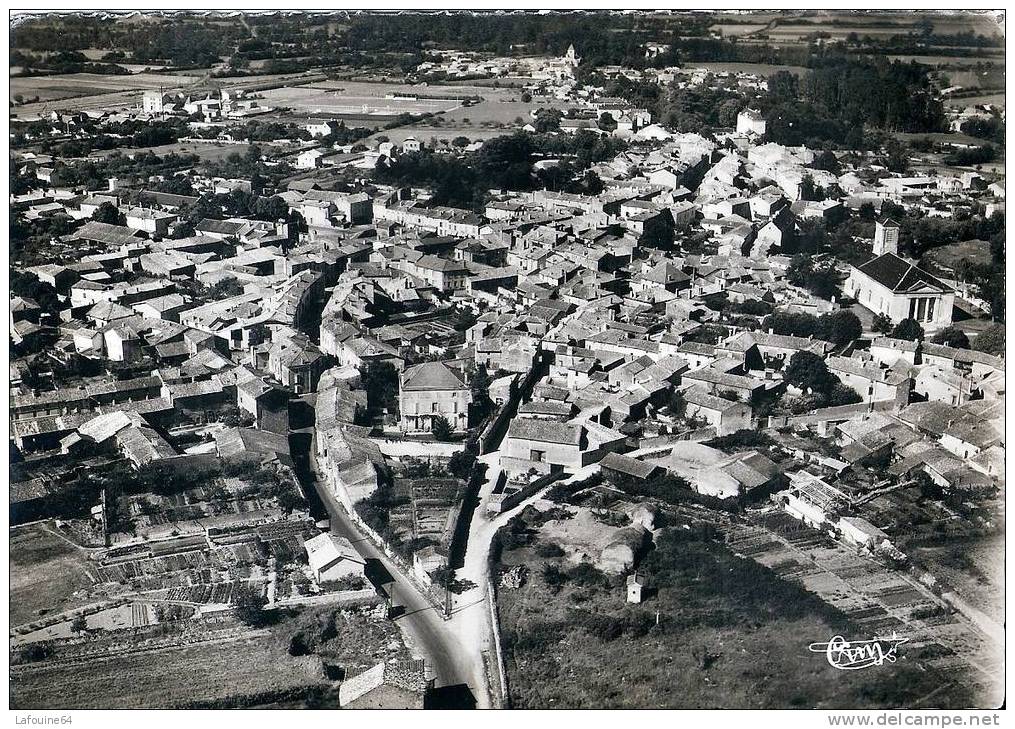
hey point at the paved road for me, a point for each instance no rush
(451, 664)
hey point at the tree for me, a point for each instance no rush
(881, 324)
(461, 463)
(808, 371)
(591, 183)
(827, 161)
(838, 327)
(606, 122)
(908, 329)
(480, 385)
(249, 602)
(289, 501)
(792, 323)
(506, 162)
(79, 624)
(808, 190)
(820, 279)
(898, 157)
(951, 337)
(547, 120)
(677, 404)
(380, 380)
(843, 395)
(783, 86)
(110, 214)
(460, 142)
(526, 97)
(271, 208)
(728, 112)
(990, 340)
(441, 429)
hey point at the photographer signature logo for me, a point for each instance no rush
(852, 655)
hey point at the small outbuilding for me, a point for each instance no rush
(333, 558)
(635, 588)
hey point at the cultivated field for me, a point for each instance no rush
(172, 677)
(66, 86)
(46, 572)
(950, 60)
(207, 151)
(995, 99)
(430, 133)
(838, 24)
(361, 103)
(505, 110)
(974, 251)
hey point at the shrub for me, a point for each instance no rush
(991, 340)
(441, 429)
(908, 329)
(549, 550)
(561, 493)
(740, 440)
(31, 653)
(249, 602)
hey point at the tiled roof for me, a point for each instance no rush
(898, 275)
(431, 376)
(545, 431)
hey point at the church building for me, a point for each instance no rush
(890, 285)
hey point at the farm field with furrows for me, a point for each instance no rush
(249, 665)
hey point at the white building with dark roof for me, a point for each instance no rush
(892, 286)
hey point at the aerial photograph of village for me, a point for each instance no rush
(507, 360)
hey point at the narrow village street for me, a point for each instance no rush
(452, 665)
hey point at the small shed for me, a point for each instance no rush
(618, 466)
(635, 588)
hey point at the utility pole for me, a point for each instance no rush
(447, 596)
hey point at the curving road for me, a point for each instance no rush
(453, 666)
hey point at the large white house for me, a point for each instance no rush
(750, 121)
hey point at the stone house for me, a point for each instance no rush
(428, 391)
